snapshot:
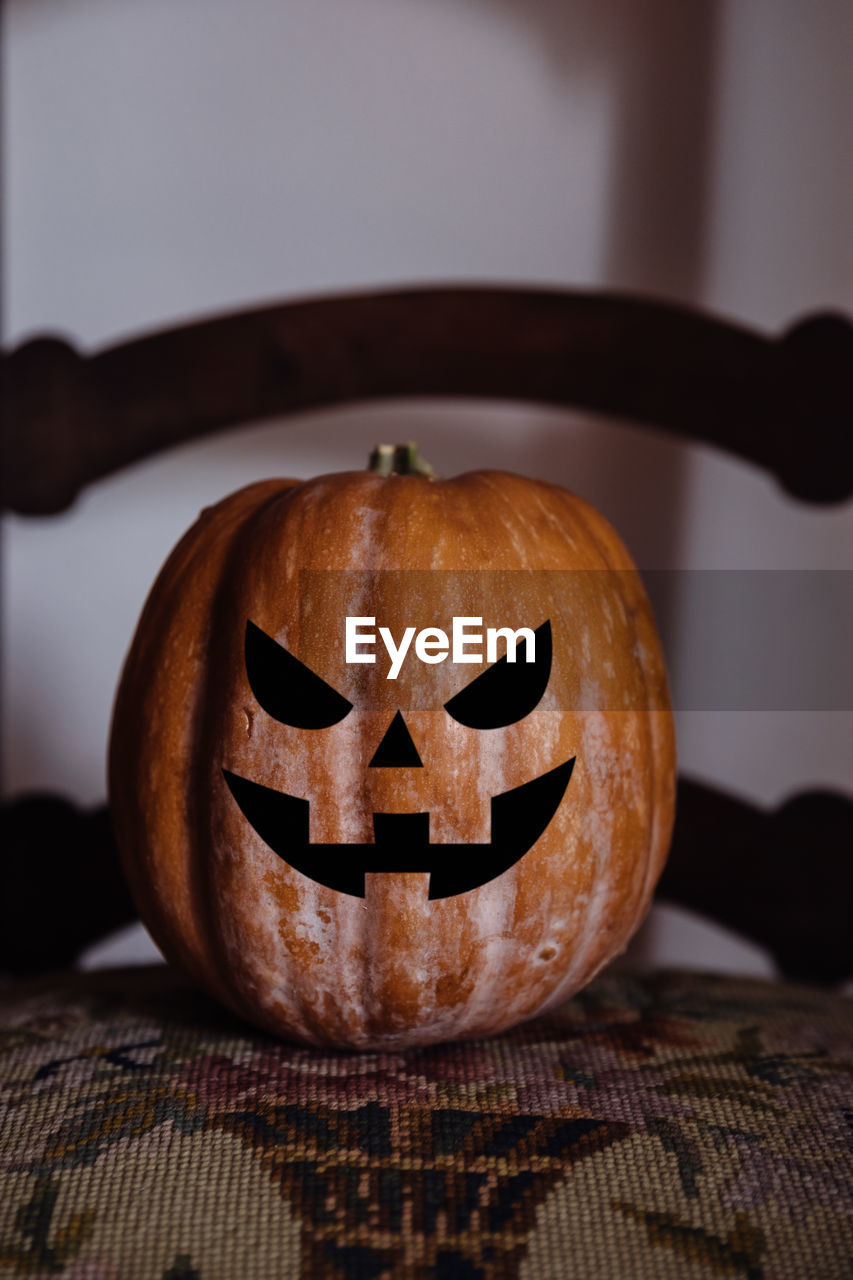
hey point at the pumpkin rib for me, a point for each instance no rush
(593, 525)
(210, 919)
(662, 778)
(293, 889)
(179, 574)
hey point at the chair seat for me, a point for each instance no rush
(657, 1125)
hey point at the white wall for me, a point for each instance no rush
(169, 159)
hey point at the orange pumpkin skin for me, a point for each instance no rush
(392, 969)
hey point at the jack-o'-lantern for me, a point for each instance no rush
(392, 757)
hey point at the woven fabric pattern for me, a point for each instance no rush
(658, 1126)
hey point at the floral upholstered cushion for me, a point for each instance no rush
(672, 1125)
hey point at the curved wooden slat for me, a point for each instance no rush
(784, 403)
(62, 886)
(783, 877)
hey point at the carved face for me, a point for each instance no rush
(291, 693)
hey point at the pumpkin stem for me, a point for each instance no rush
(399, 460)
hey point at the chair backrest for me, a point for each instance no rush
(785, 403)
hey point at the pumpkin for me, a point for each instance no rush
(348, 859)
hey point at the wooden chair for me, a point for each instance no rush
(785, 403)
(784, 878)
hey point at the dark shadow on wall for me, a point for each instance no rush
(656, 61)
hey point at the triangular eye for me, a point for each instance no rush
(288, 690)
(506, 691)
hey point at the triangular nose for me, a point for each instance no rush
(396, 750)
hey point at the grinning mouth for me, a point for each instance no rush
(402, 842)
